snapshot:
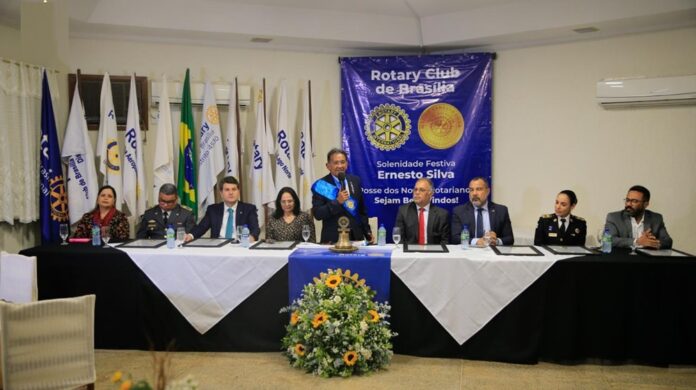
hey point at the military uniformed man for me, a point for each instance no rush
(561, 228)
(155, 220)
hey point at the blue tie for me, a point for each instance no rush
(230, 223)
(479, 223)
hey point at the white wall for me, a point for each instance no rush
(549, 134)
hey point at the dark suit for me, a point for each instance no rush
(547, 231)
(328, 211)
(244, 214)
(152, 221)
(438, 224)
(498, 216)
(621, 230)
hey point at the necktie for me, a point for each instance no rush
(165, 219)
(421, 226)
(479, 223)
(230, 223)
(563, 227)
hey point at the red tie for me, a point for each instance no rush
(421, 227)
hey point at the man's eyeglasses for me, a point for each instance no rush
(632, 201)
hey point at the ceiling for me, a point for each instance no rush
(365, 26)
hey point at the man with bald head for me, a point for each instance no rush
(420, 221)
(482, 216)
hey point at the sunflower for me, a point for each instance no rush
(333, 281)
(319, 319)
(294, 317)
(373, 316)
(126, 385)
(117, 376)
(299, 349)
(350, 358)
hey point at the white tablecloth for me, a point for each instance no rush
(206, 284)
(464, 289)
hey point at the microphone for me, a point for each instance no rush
(342, 180)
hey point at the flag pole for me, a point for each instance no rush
(239, 138)
(265, 207)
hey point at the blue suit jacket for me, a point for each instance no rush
(244, 214)
(328, 211)
(499, 218)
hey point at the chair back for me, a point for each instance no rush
(18, 278)
(48, 344)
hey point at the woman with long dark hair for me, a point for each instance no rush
(104, 214)
(287, 221)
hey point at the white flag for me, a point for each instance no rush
(163, 161)
(133, 167)
(108, 150)
(285, 164)
(306, 154)
(78, 155)
(231, 146)
(262, 187)
(210, 159)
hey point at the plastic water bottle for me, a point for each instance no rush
(96, 235)
(171, 242)
(381, 235)
(606, 242)
(245, 237)
(465, 237)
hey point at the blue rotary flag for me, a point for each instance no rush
(53, 198)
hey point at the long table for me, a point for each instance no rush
(615, 308)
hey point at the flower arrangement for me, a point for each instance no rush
(336, 329)
(161, 364)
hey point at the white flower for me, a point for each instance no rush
(337, 299)
(363, 326)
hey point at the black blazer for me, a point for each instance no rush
(328, 211)
(152, 221)
(438, 224)
(244, 214)
(547, 231)
(499, 219)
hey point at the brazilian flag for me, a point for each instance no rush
(187, 152)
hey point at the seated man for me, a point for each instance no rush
(561, 227)
(223, 218)
(155, 220)
(420, 221)
(482, 217)
(636, 226)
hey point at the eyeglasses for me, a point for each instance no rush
(167, 201)
(632, 201)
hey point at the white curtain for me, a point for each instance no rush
(20, 129)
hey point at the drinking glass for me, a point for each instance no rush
(180, 236)
(487, 238)
(238, 236)
(64, 231)
(600, 236)
(105, 235)
(396, 235)
(305, 232)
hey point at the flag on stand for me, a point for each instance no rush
(186, 182)
(134, 170)
(306, 153)
(262, 187)
(285, 164)
(79, 156)
(232, 152)
(108, 150)
(163, 161)
(53, 202)
(210, 161)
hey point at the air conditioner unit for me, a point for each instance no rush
(647, 91)
(222, 93)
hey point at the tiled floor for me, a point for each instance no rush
(271, 371)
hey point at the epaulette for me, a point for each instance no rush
(579, 218)
(547, 216)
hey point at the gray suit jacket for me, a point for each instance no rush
(438, 224)
(619, 225)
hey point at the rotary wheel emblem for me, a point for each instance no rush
(387, 127)
(59, 199)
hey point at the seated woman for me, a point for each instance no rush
(561, 228)
(104, 214)
(286, 222)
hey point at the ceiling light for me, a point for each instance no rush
(584, 30)
(261, 40)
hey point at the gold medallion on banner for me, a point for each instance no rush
(212, 115)
(441, 126)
